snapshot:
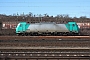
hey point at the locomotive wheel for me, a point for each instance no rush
(17, 34)
(26, 34)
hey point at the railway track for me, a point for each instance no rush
(43, 37)
(45, 54)
(44, 48)
(45, 43)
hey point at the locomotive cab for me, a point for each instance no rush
(21, 28)
(72, 27)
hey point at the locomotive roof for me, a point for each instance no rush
(71, 22)
(46, 23)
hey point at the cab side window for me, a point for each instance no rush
(20, 25)
(73, 24)
(68, 24)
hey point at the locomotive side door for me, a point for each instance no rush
(70, 27)
(23, 27)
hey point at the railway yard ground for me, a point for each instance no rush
(44, 47)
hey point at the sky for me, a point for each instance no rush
(74, 8)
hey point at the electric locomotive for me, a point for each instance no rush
(24, 28)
